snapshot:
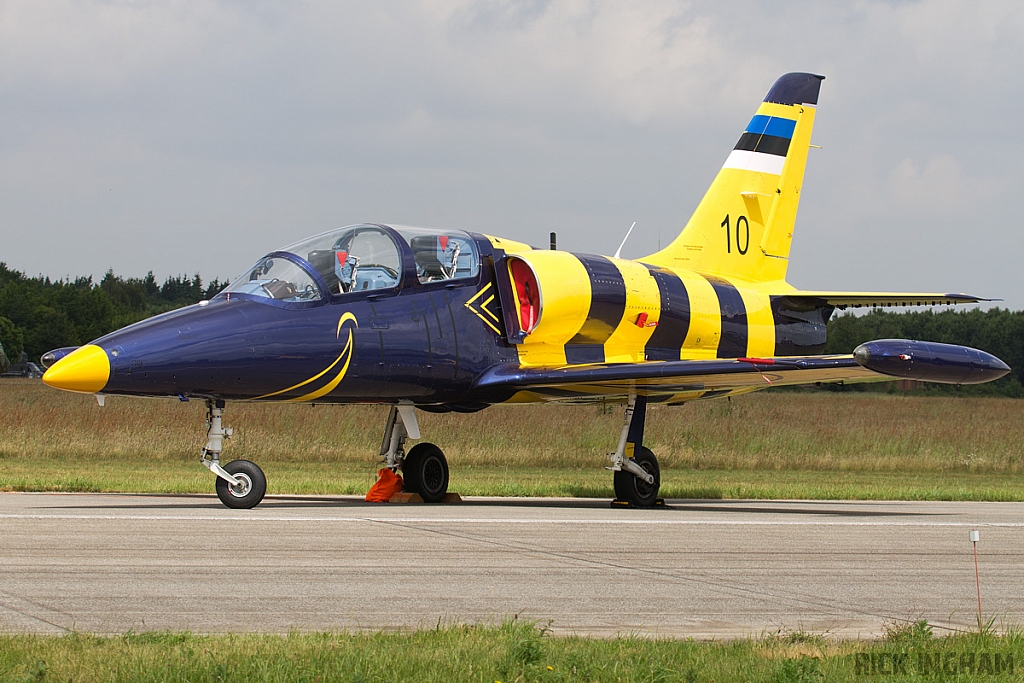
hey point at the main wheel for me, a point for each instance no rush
(632, 489)
(252, 485)
(426, 472)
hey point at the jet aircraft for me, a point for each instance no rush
(450, 320)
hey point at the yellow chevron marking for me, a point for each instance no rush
(478, 295)
(346, 351)
(483, 307)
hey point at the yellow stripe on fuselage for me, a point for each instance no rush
(705, 317)
(564, 300)
(760, 321)
(627, 342)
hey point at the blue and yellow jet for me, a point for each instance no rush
(446, 320)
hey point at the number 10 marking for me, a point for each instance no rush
(742, 238)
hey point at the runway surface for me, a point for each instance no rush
(110, 563)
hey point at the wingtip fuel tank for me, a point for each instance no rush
(930, 361)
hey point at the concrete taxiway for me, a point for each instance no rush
(110, 563)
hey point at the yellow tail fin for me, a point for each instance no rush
(743, 227)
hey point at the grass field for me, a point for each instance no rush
(512, 652)
(767, 445)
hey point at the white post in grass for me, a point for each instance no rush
(975, 536)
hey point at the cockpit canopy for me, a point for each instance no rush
(358, 258)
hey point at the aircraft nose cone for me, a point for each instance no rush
(85, 370)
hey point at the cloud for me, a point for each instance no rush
(934, 186)
(202, 133)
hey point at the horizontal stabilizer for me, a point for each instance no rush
(843, 300)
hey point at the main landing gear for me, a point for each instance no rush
(424, 467)
(637, 475)
(240, 484)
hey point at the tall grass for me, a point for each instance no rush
(829, 439)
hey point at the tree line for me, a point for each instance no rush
(997, 330)
(38, 314)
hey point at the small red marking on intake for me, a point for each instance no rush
(342, 257)
(443, 239)
(641, 321)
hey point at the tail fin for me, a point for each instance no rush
(744, 225)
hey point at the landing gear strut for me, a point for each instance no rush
(424, 467)
(637, 475)
(240, 484)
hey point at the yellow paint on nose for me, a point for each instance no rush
(85, 369)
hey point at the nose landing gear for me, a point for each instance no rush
(240, 484)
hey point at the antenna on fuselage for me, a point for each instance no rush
(619, 250)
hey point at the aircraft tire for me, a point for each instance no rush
(635, 491)
(253, 488)
(426, 472)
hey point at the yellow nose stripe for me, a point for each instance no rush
(86, 369)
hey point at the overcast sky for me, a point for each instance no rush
(185, 137)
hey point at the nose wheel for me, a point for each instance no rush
(250, 489)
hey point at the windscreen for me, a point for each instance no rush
(361, 258)
(279, 279)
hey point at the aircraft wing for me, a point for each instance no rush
(844, 300)
(685, 379)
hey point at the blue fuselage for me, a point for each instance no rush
(418, 341)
